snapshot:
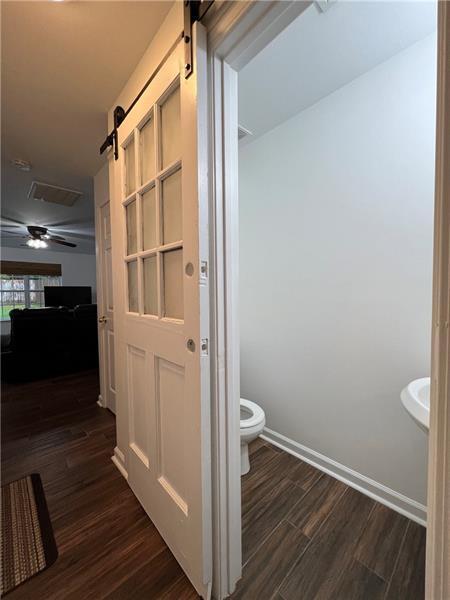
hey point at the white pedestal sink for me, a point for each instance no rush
(415, 398)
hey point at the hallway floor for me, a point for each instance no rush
(308, 536)
(108, 547)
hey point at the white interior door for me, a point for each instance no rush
(161, 312)
(105, 305)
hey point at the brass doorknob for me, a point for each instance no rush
(102, 320)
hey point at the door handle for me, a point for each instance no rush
(102, 320)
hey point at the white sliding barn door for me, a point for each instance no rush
(162, 312)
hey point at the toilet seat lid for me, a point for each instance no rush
(256, 417)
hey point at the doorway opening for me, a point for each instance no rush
(336, 196)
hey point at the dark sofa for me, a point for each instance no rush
(50, 341)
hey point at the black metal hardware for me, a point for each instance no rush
(187, 36)
(119, 116)
(193, 11)
(112, 138)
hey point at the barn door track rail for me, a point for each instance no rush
(193, 11)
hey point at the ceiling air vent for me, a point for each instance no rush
(242, 132)
(53, 194)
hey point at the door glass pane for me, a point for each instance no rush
(171, 129)
(173, 284)
(148, 166)
(172, 214)
(130, 178)
(150, 286)
(131, 228)
(133, 305)
(149, 219)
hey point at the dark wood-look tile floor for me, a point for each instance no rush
(108, 547)
(307, 536)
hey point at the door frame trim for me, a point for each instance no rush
(437, 584)
(237, 31)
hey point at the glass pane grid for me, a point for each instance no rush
(154, 252)
(160, 175)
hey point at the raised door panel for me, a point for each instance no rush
(140, 402)
(172, 449)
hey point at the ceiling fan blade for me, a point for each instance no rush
(10, 222)
(72, 233)
(7, 225)
(71, 222)
(55, 237)
(6, 233)
(62, 243)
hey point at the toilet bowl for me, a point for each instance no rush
(253, 420)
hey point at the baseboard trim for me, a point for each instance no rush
(100, 401)
(119, 460)
(402, 504)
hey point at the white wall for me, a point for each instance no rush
(77, 268)
(336, 214)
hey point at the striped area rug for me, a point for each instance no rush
(27, 542)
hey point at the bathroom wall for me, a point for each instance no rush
(336, 219)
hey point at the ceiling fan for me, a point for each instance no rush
(38, 236)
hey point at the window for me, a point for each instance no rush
(23, 291)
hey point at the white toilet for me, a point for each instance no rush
(253, 420)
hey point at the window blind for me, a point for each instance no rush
(12, 267)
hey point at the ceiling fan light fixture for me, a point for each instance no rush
(34, 243)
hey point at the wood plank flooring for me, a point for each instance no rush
(307, 536)
(108, 547)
